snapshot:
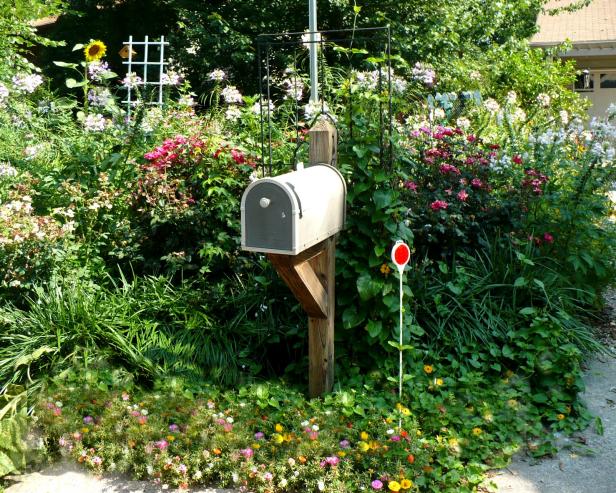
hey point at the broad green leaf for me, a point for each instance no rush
(519, 282)
(529, 310)
(383, 199)
(79, 46)
(72, 83)
(368, 287)
(65, 64)
(351, 317)
(374, 328)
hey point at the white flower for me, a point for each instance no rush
(186, 101)
(305, 423)
(98, 70)
(519, 115)
(198, 475)
(94, 122)
(231, 95)
(398, 84)
(236, 477)
(4, 93)
(564, 116)
(229, 420)
(217, 75)
(544, 100)
(463, 123)
(294, 89)
(291, 461)
(475, 75)
(367, 81)
(99, 97)
(6, 170)
(512, 97)
(491, 105)
(321, 485)
(424, 74)
(390, 432)
(171, 78)
(439, 113)
(32, 151)
(315, 427)
(283, 483)
(131, 80)
(611, 110)
(144, 412)
(267, 106)
(312, 109)
(27, 83)
(233, 113)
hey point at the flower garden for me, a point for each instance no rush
(136, 335)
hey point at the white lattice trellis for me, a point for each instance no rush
(158, 67)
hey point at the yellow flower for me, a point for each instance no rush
(489, 417)
(512, 403)
(560, 417)
(363, 446)
(170, 438)
(85, 430)
(405, 411)
(95, 50)
(428, 369)
(278, 438)
(394, 486)
(278, 428)
(477, 431)
(341, 454)
(406, 484)
(363, 435)
(439, 381)
(385, 269)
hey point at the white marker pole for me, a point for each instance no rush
(314, 75)
(400, 256)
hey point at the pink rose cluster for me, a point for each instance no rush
(176, 151)
(535, 181)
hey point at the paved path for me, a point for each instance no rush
(578, 468)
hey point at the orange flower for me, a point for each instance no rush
(560, 417)
(410, 458)
(428, 369)
(406, 484)
(302, 459)
(217, 451)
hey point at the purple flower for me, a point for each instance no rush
(247, 452)
(182, 469)
(173, 428)
(376, 484)
(345, 444)
(395, 438)
(88, 420)
(259, 435)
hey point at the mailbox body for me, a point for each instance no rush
(289, 213)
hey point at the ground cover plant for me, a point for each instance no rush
(124, 288)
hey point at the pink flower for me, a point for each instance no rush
(517, 159)
(174, 428)
(548, 238)
(182, 469)
(376, 484)
(395, 438)
(247, 453)
(471, 138)
(411, 185)
(449, 168)
(142, 420)
(125, 396)
(476, 183)
(161, 444)
(462, 195)
(238, 156)
(438, 205)
(96, 460)
(268, 476)
(227, 427)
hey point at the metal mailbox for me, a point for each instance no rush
(289, 213)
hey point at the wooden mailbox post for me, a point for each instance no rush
(294, 219)
(311, 276)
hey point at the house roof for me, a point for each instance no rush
(593, 24)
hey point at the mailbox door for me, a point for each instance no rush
(269, 228)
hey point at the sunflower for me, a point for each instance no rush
(95, 50)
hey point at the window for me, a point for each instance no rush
(584, 83)
(608, 81)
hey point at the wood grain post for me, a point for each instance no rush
(323, 149)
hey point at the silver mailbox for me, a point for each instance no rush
(289, 213)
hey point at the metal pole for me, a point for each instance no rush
(314, 74)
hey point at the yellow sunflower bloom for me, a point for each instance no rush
(95, 50)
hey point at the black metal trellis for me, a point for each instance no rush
(267, 44)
